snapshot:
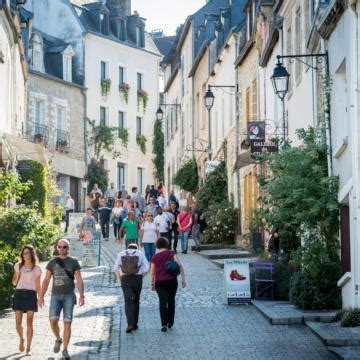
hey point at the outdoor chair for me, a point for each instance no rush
(264, 282)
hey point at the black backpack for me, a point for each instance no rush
(130, 264)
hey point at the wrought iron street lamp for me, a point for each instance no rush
(159, 114)
(280, 80)
(209, 99)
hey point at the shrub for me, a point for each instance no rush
(187, 176)
(35, 174)
(96, 174)
(158, 151)
(315, 285)
(350, 318)
(215, 187)
(221, 219)
(21, 225)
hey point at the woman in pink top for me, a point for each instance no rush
(184, 221)
(26, 279)
(164, 283)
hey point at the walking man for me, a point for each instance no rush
(104, 218)
(174, 229)
(163, 224)
(110, 194)
(130, 268)
(151, 207)
(64, 270)
(69, 208)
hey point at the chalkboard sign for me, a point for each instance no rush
(24, 165)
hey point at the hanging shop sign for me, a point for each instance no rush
(259, 147)
(256, 130)
(258, 140)
(237, 281)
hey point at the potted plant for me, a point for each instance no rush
(141, 141)
(124, 89)
(105, 85)
(142, 96)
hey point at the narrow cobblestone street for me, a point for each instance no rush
(204, 327)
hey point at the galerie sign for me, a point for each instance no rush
(259, 142)
(237, 281)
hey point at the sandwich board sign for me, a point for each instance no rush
(237, 281)
(74, 224)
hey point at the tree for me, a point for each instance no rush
(96, 174)
(158, 151)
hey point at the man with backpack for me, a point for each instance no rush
(130, 267)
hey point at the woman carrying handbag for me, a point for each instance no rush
(26, 280)
(164, 268)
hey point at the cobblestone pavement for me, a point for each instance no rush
(204, 327)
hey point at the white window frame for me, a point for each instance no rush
(67, 68)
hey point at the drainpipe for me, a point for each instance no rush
(237, 132)
(355, 109)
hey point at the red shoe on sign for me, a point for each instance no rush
(234, 275)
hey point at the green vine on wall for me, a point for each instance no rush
(102, 138)
(142, 96)
(105, 85)
(124, 136)
(141, 141)
(158, 151)
(124, 89)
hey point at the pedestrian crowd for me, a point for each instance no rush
(151, 221)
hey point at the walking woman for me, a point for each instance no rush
(164, 283)
(184, 221)
(116, 218)
(26, 280)
(149, 233)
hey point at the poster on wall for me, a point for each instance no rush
(74, 224)
(237, 281)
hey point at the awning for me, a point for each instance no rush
(244, 159)
(24, 149)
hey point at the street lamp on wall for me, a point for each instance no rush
(280, 80)
(209, 99)
(159, 114)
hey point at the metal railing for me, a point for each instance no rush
(41, 134)
(62, 140)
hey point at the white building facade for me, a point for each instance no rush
(119, 52)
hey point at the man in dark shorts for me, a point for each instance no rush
(64, 270)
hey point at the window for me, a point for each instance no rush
(254, 100)
(67, 68)
(139, 79)
(182, 133)
(104, 23)
(39, 112)
(121, 120)
(121, 175)
(60, 118)
(298, 37)
(139, 127)
(103, 70)
(36, 59)
(120, 27)
(140, 179)
(121, 75)
(139, 41)
(103, 115)
(249, 20)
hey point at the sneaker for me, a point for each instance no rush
(164, 329)
(65, 354)
(57, 346)
(135, 327)
(129, 329)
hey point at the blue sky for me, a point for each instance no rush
(165, 14)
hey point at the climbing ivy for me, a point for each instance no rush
(158, 151)
(187, 176)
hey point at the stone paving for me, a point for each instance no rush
(204, 327)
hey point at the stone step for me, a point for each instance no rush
(346, 352)
(224, 254)
(213, 247)
(333, 334)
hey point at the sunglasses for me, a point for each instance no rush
(63, 247)
(149, 216)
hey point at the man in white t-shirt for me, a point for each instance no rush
(164, 224)
(161, 200)
(69, 208)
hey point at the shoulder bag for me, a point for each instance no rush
(61, 263)
(171, 266)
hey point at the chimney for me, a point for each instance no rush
(124, 4)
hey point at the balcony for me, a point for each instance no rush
(41, 134)
(62, 140)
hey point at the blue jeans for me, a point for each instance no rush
(184, 237)
(149, 249)
(65, 302)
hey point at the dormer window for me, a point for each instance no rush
(67, 63)
(120, 29)
(139, 37)
(37, 54)
(104, 24)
